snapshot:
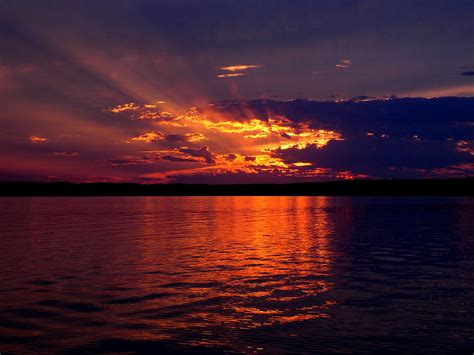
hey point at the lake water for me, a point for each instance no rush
(237, 274)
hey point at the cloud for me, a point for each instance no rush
(468, 73)
(290, 140)
(154, 115)
(36, 139)
(188, 137)
(250, 126)
(174, 158)
(438, 118)
(256, 175)
(132, 161)
(237, 68)
(364, 136)
(465, 146)
(344, 63)
(240, 67)
(463, 90)
(231, 157)
(379, 157)
(66, 154)
(363, 98)
(147, 111)
(124, 107)
(231, 75)
(12, 74)
(202, 152)
(310, 139)
(151, 137)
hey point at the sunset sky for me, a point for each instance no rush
(236, 91)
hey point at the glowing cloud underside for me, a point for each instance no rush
(230, 75)
(36, 139)
(236, 144)
(345, 63)
(240, 67)
(296, 140)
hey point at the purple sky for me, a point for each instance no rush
(236, 91)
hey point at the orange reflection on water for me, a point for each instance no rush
(108, 274)
(238, 262)
(196, 270)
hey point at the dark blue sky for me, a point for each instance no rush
(68, 70)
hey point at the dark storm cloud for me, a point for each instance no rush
(176, 138)
(231, 157)
(202, 152)
(178, 159)
(157, 136)
(189, 137)
(379, 156)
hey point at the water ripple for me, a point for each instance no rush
(236, 275)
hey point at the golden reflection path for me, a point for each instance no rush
(232, 262)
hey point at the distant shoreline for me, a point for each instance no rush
(426, 187)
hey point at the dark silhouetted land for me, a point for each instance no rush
(448, 187)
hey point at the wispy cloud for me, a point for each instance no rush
(233, 69)
(230, 75)
(174, 158)
(148, 111)
(456, 90)
(151, 137)
(124, 107)
(66, 154)
(187, 137)
(344, 63)
(195, 137)
(240, 67)
(36, 139)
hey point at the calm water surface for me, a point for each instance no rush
(236, 274)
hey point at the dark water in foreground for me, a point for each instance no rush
(237, 274)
